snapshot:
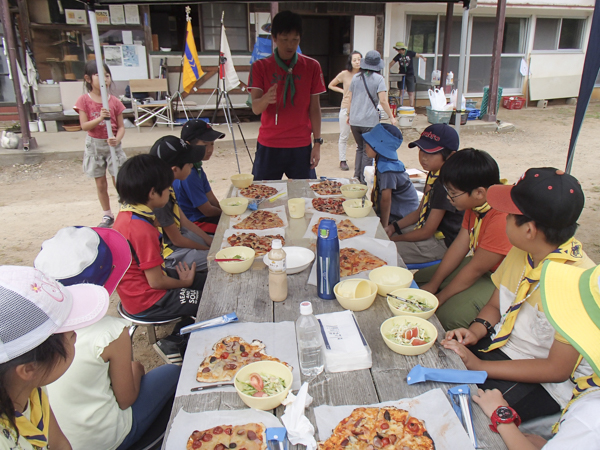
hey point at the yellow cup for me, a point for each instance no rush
(296, 207)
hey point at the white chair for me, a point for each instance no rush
(160, 110)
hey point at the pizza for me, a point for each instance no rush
(260, 220)
(327, 187)
(379, 428)
(345, 229)
(328, 205)
(260, 244)
(258, 191)
(229, 355)
(250, 436)
(353, 261)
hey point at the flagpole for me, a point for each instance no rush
(179, 86)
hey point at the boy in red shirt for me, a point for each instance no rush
(462, 280)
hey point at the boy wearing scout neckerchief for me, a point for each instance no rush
(511, 338)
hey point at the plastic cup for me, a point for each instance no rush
(354, 288)
(296, 207)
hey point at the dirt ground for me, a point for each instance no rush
(37, 200)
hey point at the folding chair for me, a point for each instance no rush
(157, 109)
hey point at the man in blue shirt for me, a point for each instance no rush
(194, 194)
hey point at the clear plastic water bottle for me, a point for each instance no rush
(310, 341)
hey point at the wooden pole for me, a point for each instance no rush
(9, 33)
(490, 116)
(447, 37)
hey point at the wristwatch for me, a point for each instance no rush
(318, 141)
(504, 414)
(488, 326)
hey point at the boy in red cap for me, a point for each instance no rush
(511, 338)
(425, 234)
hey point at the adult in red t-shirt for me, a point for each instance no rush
(285, 89)
(462, 281)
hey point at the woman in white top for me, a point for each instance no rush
(345, 78)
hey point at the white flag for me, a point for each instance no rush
(231, 78)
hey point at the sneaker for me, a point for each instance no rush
(107, 222)
(344, 165)
(168, 351)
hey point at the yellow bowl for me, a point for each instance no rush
(409, 350)
(234, 206)
(390, 278)
(266, 367)
(354, 190)
(356, 304)
(428, 297)
(353, 207)
(242, 180)
(236, 266)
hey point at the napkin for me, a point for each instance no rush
(299, 428)
(419, 374)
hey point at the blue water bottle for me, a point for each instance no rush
(328, 259)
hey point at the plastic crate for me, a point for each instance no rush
(473, 113)
(434, 116)
(513, 102)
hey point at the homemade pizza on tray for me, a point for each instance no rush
(328, 205)
(345, 229)
(353, 261)
(229, 355)
(260, 244)
(327, 187)
(260, 220)
(250, 436)
(258, 191)
(379, 428)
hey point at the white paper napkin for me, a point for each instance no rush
(299, 428)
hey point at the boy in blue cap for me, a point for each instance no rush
(394, 195)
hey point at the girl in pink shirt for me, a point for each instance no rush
(92, 117)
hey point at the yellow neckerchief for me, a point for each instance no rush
(431, 177)
(146, 213)
(34, 429)
(168, 248)
(480, 212)
(583, 386)
(569, 251)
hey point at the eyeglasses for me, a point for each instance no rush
(452, 197)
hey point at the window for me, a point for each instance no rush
(558, 34)
(422, 33)
(236, 24)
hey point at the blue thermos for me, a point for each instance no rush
(328, 259)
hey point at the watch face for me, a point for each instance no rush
(504, 413)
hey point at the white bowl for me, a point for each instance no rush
(236, 266)
(242, 180)
(297, 259)
(354, 190)
(390, 278)
(353, 208)
(234, 206)
(267, 367)
(165, 49)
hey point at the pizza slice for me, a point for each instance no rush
(348, 259)
(250, 436)
(368, 261)
(346, 229)
(217, 438)
(260, 220)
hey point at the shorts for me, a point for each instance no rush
(271, 163)
(97, 157)
(409, 83)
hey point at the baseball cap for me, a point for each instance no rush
(385, 139)
(176, 152)
(547, 195)
(437, 137)
(571, 302)
(34, 306)
(399, 45)
(77, 255)
(199, 129)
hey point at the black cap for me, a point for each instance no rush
(547, 195)
(176, 152)
(437, 137)
(199, 129)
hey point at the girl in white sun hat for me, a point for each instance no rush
(38, 319)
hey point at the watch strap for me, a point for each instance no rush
(397, 227)
(496, 420)
(489, 327)
(318, 141)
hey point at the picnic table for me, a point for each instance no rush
(248, 295)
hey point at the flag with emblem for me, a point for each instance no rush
(226, 68)
(192, 71)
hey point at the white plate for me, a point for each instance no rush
(297, 259)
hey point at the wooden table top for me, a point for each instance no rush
(248, 295)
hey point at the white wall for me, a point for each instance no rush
(364, 33)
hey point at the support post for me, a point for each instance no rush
(490, 116)
(9, 32)
(446, 50)
(274, 11)
(461, 68)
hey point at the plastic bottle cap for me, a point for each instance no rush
(306, 308)
(276, 244)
